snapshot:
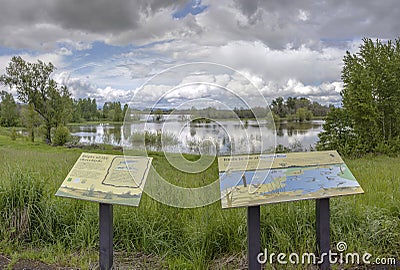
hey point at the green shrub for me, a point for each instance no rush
(389, 147)
(303, 114)
(13, 134)
(61, 135)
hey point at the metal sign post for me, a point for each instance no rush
(323, 231)
(253, 237)
(106, 236)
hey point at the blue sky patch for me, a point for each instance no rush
(193, 7)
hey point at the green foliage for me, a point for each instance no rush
(13, 134)
(200, 120)
(30, 120)
(60, 103)
(21, 194)
(278, 107)
(35, 86)
(9, 114)
(303, 114)
(299, 109)
(244, 113)
(61, 135)
(280, 148)
(370, 118)
(85, 109)
(112, 111)
(118, 117)
(275, 117)
(338, 132)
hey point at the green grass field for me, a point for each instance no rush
(37, 225)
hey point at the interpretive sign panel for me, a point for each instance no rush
(106, 179)
(260, 179)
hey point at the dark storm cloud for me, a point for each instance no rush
(299, 22)
(78, 20)
(362, 19)
(103, 16)
(276, 23)
(249, 7)
(98, 15)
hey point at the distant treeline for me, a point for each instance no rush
(292, 109)
(87, 110)
(298, 109)
(13, 114)
(200, 115)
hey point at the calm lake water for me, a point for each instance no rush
(178, 136)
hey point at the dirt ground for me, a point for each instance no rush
(122, 261)
(3, 261)
(29, 265)
(146, 262)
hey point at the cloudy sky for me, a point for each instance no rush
(106, 49)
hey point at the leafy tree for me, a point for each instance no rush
(8, 110)
(85, 109)
(302, 103)
(338, 132)
(35, 86)
(93, 109)
(76, 112)
(371, 100)
(61, 103)
(31, 120)
(241, 113)
(111, 114)
(320, 110)
(113, 111)
(371, 91)
(278, 107)
(298, 108)
(291, 105)
(117, 117)
(303, 114)
(106, 108)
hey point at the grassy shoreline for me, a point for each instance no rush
(65, 232)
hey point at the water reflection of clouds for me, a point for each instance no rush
(228, 134)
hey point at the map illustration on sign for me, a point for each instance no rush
(260, 179)
(107, 179)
